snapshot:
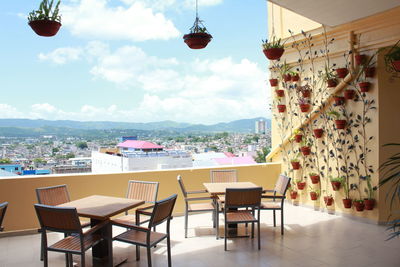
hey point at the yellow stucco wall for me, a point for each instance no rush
(375, 32)
(20, 192)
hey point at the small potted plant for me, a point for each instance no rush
(45, 21)
(340, 123)
(349, 94)
(328, 200)
(364, 86)
(318, 132)
(329, 76)
(285, 73)
(300, 184)
(314, 193)
(273, 82)
(369, 202)
(280, 93)
(359, 204)
(293, 194)
(392, 57)
(281, 107)
(336, 182)
(295, 163)
(295, 77)
(360, 59)
(273, 49)
(298, 135)
(304, 105)
(314, 177)
(341, 72)
(198, 38)
(339, 100)
(305, 90)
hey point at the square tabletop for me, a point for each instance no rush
(102, 207)
(220, 188)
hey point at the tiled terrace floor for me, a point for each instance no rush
(312, 238)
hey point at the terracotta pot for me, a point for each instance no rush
(359, 205)
(273, 82)
(273, 53)
(295, 165)
(298, 138)
(281, 108)
(369, 72)
(339, 100)
(331, 83)
(306, 93)
(336, 185)
(295, 78)
(369, 204)
(318, 133)
(287, 77)
(360, 59)
(340, 124)
(197, 40)
(304, 107)
(293, 194)
(305, 150)
(328, 201)
(347, 203)
(342, 72)
(364, 86)
(301, 185)
(349, 94)
(313, 195)
(314, 179)
(280, 93)
(45, 28)
(396, 65)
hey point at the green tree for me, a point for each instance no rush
(39, 161)
(5, 161)
(260, 158)
(82, 145)
(70, 155)
(55, 150)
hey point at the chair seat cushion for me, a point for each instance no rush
(270, 205)
(139, 237)
(201, 207)
(240, 216)
(73, 243)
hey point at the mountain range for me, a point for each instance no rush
(24, 127)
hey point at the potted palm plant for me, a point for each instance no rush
(369, 202)
(45, 21)
(340, 123)
(273, 49)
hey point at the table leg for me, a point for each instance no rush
(103, 251)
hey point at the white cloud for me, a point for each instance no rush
(62, 55)
(131, 21)
(7, 111)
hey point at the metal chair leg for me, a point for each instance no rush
(282, 225)
(274, 218)
(148, 257)
(186, 222)
(226, 234)
(137, 253)
(83, 260)
(258, 233)
(217, 220)
(169, 251)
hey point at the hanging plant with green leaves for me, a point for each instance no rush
(46, 21)
(199, 37)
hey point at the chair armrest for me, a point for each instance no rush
(131, 226)
(268, 191)
(96, 228)
(197, 192)
(140, 210)
(198, 198)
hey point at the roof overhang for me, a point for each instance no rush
(333, 13)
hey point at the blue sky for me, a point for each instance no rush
(125, 60)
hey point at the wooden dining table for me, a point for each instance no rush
(98, 209)
(216, 189)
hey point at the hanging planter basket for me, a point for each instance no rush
(360, 59)
(273, 53)
(364, 86)
(342, 72)
(349, 94)
(45, 21)
(199, 37)
(396, 65)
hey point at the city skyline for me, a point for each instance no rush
(96, 70)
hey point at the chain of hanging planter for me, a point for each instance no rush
(198, 37)
(274, 48)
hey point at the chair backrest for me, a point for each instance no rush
(3, 209)
(58, 219)
(142, 190)
(282, 184)
(182, 186)
(162, 210)
(223, 176)
(53, 195)
(243, 197)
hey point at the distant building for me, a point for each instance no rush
(132, 155)
(36, 172)
(125, 138)
(83, 161)
(14, 168)
(260, 127)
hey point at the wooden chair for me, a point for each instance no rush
(249, 198)
(278, 198)
(53, 196)
(143, 236)
(142, 190)
(3, 209)
(223, 176)
(66, 220)
(196, 207)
